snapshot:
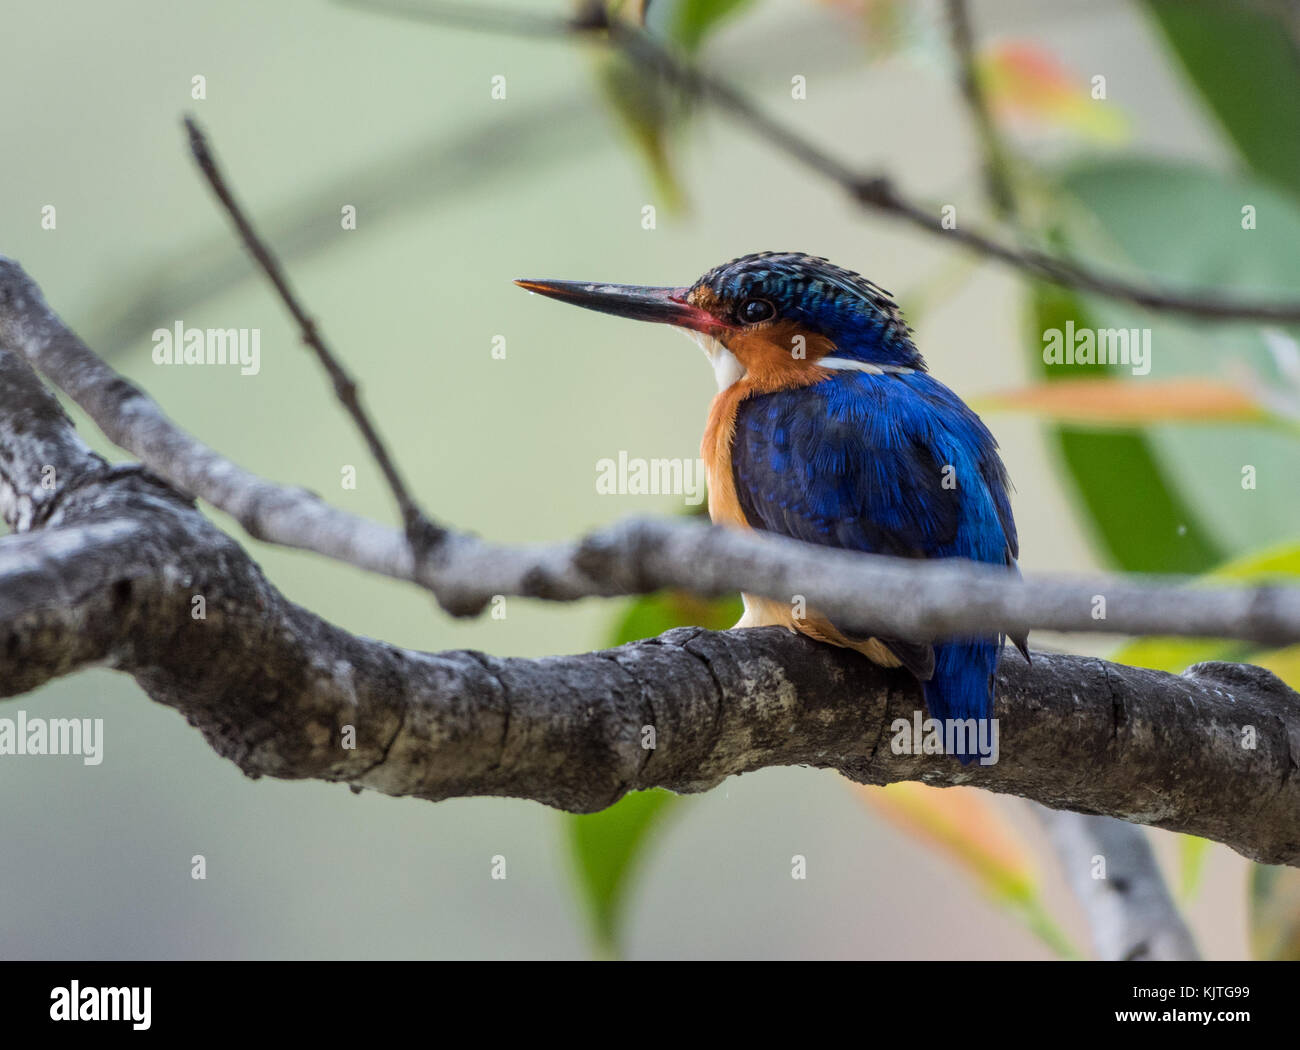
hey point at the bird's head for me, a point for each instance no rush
(780, 318)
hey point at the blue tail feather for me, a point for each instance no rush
(962, 684)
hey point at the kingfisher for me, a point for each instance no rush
(827, 427)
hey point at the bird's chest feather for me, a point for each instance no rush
(890, 464)
(803, 460)
(738, 391)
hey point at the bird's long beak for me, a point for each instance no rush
(640, 303)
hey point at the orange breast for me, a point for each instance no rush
(715, 450)
(770, 362)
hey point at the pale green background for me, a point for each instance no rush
(312, 106)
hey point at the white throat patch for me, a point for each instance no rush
(726, 369)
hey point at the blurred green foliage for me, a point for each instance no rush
(1137, 517)
(1181, 225)
(1275, 912)
(651, 111)
(1244, 64)
(608, 845)
(692, 20)
(651, 115)
(606, 848)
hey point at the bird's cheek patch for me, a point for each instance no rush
(781, 355)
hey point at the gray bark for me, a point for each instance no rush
(1114, 875)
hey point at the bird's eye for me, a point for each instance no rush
(752, 311)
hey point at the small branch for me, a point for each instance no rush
(997, 174)
(905, 598)
(870, 190)
(421, 533)
(503, 21)
(879, 193)
(1114, 875)
(40, 451)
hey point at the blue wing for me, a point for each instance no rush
(893, 464)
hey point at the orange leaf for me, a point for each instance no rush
(1024, 81)
(1120, 402)
(964, 824)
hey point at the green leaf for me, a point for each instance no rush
(653, 614)
(1180, 225)
(606, 847)
(1175, 655)
(1279, 564)
(693, 20)
(976, 833)
(1285, 663)
(1275, 912)
(1247, 70)
(1192, 852)
(1138, 518)
(649, 109)
(649, 113)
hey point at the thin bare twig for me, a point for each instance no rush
(421, 532)
(870, 190)
(997, 175)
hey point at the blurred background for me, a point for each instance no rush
(313, 107)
